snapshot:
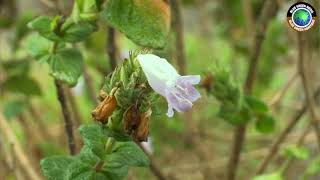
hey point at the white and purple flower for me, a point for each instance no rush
(165, 80)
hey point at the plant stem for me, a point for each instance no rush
(112, 49)
(306, 85)
(66, 115)
(268, 12)
(109, 146)
(276, 144)
(177, 25)
(153, 167)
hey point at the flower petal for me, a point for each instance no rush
(178, 101)
(158, 71)
(192, 79)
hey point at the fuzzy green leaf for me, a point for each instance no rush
(265, 123)
(37, 46)
(76, 32)
(45, 25)
(54, 168)
(66, 65)
(94, 137)
(144, 22)
(129, 154)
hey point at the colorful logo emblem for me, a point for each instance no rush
(301, 16)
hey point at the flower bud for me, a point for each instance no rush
(207, 82)
(105, 109)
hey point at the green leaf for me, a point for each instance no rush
(82, 171)
(45, 25)
(112, 170)
(16, 67)
(76, 32)
(54, 168)
(94, 137)
(118, 136)
(128, 153)
(272, 176)
(14, 108)
(37, 46)
(22, 84)
(296, 152)
(66, 65)
(144, 22)
(265, 123)
(313, 168)
(232, 115)
(256, 105)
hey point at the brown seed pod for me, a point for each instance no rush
(104, 109)
(142, 132)
(131, 119)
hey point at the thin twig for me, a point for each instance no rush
(66, 115)
(303, 71)
(89, 84)
(17, 149)
(153, 167)
(268, 12)
(276, 144)
(73, 104)
(300, 142)
(177, 26)
(112, 49)
(278, 96)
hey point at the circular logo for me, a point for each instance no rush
(301, 16)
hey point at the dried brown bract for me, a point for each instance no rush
(104, 109)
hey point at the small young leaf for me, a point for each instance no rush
(22, 84)
(45, 26)
(129, 154)
(265, 123)
(37, 46)
(144, 22)
(271, 176)
(75, 32)
(66, 65)
(296, 152)
(256, 105)
(54, 168)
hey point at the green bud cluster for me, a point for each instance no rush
(132, 89)
(236, 107)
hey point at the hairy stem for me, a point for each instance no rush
(109, 146)
(112, 48)
(177, 25)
